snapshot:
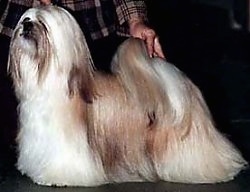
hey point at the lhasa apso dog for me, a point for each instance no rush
(144, 122)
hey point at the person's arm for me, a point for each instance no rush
(134, 12)
(46, 2)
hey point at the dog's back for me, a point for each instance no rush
(180, 138)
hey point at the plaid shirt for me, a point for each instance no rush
(98, 18)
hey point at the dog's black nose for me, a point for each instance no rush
(27, 25)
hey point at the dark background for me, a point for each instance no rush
(199, 37)
(202, 39)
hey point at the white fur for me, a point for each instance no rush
(48, 155)
(146, 121)
(44, 149)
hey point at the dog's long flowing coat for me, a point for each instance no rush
(144, 122)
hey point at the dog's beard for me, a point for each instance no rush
(145, 121)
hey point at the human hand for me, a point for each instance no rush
(138, 29)
(46, 2)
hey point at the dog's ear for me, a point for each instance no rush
(81, 80)
(81, 71)
(13, 67)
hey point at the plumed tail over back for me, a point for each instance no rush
(194, 151)
(133, 68)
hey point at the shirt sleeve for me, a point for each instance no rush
(127, 9)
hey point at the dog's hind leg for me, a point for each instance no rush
(196, 152)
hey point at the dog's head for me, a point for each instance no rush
(48, 46)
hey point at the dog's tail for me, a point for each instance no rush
(184, 146)
(132, 65)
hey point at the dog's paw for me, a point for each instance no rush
(43, 183)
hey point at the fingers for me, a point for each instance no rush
(45, 2)
(152, 43)
(149, 36)
(140, 30)
(157, 48)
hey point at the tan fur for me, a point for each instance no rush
(146, 121)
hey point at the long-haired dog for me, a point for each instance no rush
(144, 122)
